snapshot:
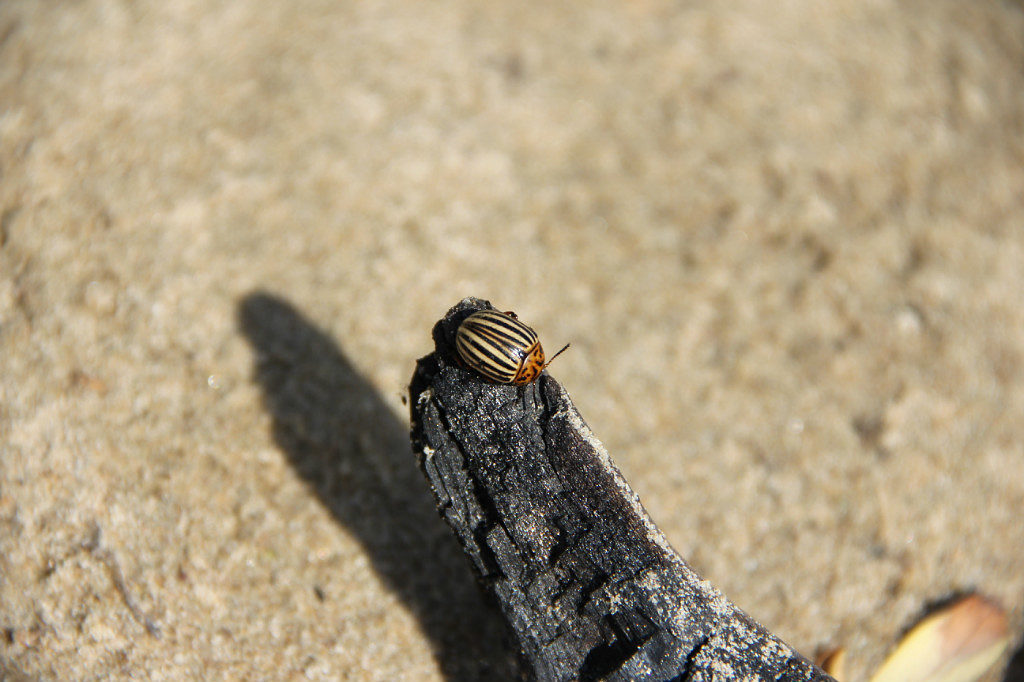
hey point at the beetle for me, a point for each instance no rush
(501, 348)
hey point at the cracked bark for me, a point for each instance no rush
(589, 586)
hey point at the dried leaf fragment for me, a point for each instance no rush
(834, 663)
(958, 643)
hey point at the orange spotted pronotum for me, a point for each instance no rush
(501, 348)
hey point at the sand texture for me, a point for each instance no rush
(786, 241)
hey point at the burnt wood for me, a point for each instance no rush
(589, 586)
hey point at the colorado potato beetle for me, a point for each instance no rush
(501, 348)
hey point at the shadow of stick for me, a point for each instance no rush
(355, 455)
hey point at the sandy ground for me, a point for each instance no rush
(785, 239)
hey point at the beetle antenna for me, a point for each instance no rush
(564, 348)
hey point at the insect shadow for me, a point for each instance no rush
(354, 454)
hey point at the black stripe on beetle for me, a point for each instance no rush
(500, 348)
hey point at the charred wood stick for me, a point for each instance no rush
(589, 586)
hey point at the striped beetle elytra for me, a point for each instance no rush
(500, 348)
